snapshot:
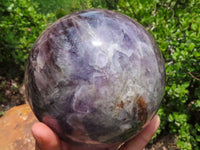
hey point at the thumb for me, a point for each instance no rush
(45, 138)
(139, 142)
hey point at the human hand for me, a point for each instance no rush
(46, 139)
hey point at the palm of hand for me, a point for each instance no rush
(46, 139)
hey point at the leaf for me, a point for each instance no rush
(170, 118)
(197, 126)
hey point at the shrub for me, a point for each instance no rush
(20, 25)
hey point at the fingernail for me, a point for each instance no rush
(156, 123)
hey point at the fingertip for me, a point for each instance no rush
(156, 117)
(148, 132)
(45, 138)
(154, 124)
(36, 132)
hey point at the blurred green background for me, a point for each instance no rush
(175, 25)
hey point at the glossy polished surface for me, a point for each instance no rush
(95, 77)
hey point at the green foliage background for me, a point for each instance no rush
(175, 25)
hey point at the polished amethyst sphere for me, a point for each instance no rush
(95, 77)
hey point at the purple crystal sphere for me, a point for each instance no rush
(95, 77)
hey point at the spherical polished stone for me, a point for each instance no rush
(95, 77)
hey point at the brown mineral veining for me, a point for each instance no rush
(142, 110)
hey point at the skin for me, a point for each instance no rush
(46, 139)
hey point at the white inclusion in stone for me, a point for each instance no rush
(96, 42)
(40, 62)
(125, 127)
(111, 49)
